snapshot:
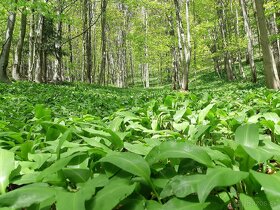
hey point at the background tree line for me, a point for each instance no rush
(123, 42)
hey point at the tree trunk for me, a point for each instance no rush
(31, 55)
(270, 70)
(87, 39)
(224, 33)
(104, 42)
(185, 43)
(146, 72)
(57, 76)
(18, 53)
(4, 56)
(250, 47)
(39, 50)
(237, 35)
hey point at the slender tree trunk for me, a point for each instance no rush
(237, 38)
(250, 47)
(18, 54)
(87, 39)
(185, 43)
(94, 44)
(104, 42)
(223, 28)
(4, 56)
(57, 76)
(276, 41)
(146, 55)
(39, 50)
(270, 70)
(31, 55)
(71, 59)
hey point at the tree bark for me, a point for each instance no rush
(31, 55)
(185, 43)
(39, 50)
(270, 70)
(250, 47)
(18, 54)
(58, 63)
(224, 33)
(4, 56)
(146, 73)
(103, 42)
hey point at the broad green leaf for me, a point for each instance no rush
(138, 148)
(218, 177)
(178, 150)
(202, 113)
(69, 201)
(181, 126)
(179, 204)
(76, 200)
(269, 183)
(179, 114)
(76, 175)
(56, 166)
(182, 186)
(259, 154)
(168, 101)
(107, 134)
(248, 135)
(129, 162)
(7, 164)
(248, 202)
(42, 113)
(27, 195)
(115, 124)
(199, 132)
(66, 136)
(40, 158)
(112, 194)
(272, 116)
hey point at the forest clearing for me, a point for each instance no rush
(140, 105)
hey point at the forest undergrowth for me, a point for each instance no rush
(78, 146)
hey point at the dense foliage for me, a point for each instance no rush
(84, 147)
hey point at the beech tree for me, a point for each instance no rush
(5, 52)
(270, 70)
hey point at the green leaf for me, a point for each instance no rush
(107, 134)
(76, 175)
(56, 166)
(181, 126)
(7, 165)
(138, 148)
(248, 135)
(269, 183)
(272, 117)
(43, 113)
(129, 162)
(182, 186)
(112, 194)
(116, 124)
(179, 204)
(178, 150)
(77, 200)
(168, 101)
(218, 177)
(202, 114)
(179, 114)
(27, 195)
(248, 202)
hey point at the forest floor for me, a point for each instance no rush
(110, 148)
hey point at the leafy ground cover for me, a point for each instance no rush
(85, 147)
